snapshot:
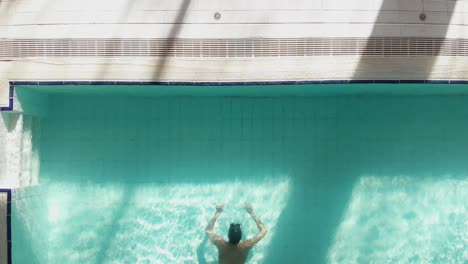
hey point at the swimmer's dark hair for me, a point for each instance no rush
(235, 233)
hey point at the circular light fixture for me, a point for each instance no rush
(422, 16)
(217, 16)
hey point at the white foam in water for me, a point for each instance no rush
(150, 223)
(404, 220)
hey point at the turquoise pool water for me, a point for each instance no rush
(336, 178)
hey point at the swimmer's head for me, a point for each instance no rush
(235, 233)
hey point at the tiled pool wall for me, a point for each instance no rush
(239, 84)
(326, 146)
(5, 223)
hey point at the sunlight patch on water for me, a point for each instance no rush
(405, 220)
(151, 223)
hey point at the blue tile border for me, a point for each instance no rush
(77, 82)
(438, 81)
(458, 81)
(10, 104)
(50, 83)
(8, 192)
(11, 91)
(335, 82)
(360, 81)
(134, 83)
(151, 83)
(102, 83)
(220, 83)
(24, 83)
(236, 83)
(231, 83)
(9, 253)
(387, 81)
(307, 82)
(413, 81)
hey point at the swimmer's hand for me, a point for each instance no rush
(219, 208)
(248, 208)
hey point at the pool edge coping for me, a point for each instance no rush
(13, 83)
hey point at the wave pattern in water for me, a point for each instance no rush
(404, 220)
(151, 223)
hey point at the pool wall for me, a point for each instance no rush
(360, 159)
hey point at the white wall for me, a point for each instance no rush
(50, 19)
(242, 18)
(121, 19)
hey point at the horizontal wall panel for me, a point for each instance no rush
(286, 30)
(70, 5)
(260, 69)
(227, 17)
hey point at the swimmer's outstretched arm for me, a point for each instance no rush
(219, 210)
(214, 238)
(261, 227)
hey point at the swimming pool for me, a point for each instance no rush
(337, 174)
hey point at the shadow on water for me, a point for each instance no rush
(438, 16)
(318, 199)
(418, 137)
(22, 239)
(201, 251)
(113, 228)
(10, 120)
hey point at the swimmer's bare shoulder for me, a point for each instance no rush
(237, 254)
(232, 254)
